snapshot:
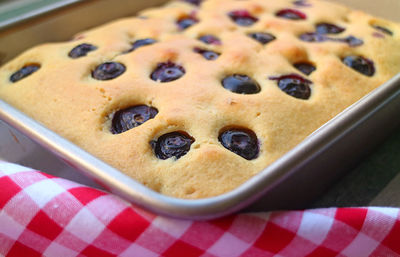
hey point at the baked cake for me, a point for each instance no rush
(194, 98)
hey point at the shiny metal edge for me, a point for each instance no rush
(214, 207)
(36, 12)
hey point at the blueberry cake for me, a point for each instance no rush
(195, 97)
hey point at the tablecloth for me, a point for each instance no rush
(42, 215)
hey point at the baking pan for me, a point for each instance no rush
(289, 183)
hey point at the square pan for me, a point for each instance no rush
(289, 182)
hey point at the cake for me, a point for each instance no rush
(195, 97)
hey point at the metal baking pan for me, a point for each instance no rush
(289, 183)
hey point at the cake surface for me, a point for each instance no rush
(195, 97)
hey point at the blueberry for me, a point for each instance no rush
(175, 144)
(241, 84)
(242, 18)
(305, 67)
(383, 29)
(186, 22)
(242, 142)
(131, 117)
(263, 38)
(291, 14)
(167, 71)
(351, 41)
(210, 39)
(294, 85)
(24, 72)
(108, 70)
(81, 50)
(313, 37)
(140, 43)
(360, 64)
(194, 2)
(302, 3)
(327, 28)
(209, 55)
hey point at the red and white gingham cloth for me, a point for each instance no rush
(41, 215)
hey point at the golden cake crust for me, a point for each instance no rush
(65, 97)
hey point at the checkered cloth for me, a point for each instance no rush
(41, 215)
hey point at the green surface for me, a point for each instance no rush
(361, 185)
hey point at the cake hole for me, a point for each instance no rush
(108, 70)
(172, 145)
(207, 54)
(313, 37)
(360, 64)
(132, 117)
(262, 37)
(241, 84)
(294, 85)
(194, 2)
(305, 67)
(167, 72)
(291, 14)
(140, 43)
(25, 71)
(242, 18)
(302, 3)
(241, 141)
(81, 50)
(328, 28)
(187, 21)
(210, 40)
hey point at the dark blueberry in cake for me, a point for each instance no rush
(81, 50)
(263, 38)
(186, 22)
(313, 37)
(360, 64)
(131, 117)
(305, 67)
(294, 85)
(24, 72)
(241, 84)
(108, 70)
(174, 144)
(140, 43)
(302, 3)
(352, 41)
(210, 39)
(327, 28)
(242, 142)
(242, 18)
(291, 14)
(167, 71)
(383, 29)
(209, 55)
(194, 2)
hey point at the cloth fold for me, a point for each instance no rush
(42, 215)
